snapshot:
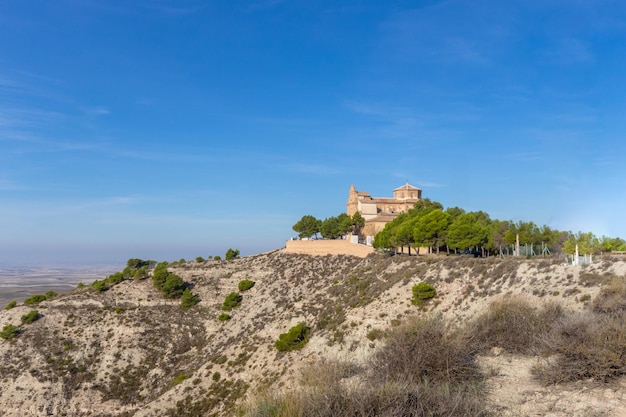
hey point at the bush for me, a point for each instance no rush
(512, 324)
(585, 346)
(422, 292)
(100, 285)
(199, 259)
(217, 258)
(180, 378)
(232, 254)
(232, 300)
(223, 317)
(9, 332)
(245, 285)
(426, 349)
(115, 278)
(612, 297)
(173, 286)
(30, 317)
(188, 299)
(35, 299)
(11, 305)
(50, 295)
(296, 338)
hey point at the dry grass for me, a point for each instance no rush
(588, 345)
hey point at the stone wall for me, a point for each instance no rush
(327, 247)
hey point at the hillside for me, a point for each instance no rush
(130, 352)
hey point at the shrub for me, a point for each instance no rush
(50, 295)
(512, 324)
(100, 285)
(585, 346)
(232, 300)
(199, 259)
(9, 332)
(217, 258)
(30, 317)
(80, 285)
(216, 376)
(223, 317)
(173, 286)
(180, 378)
(423, 349)
(188, 299)
(612, 297)
(245, 285)
(232, 254)
(422, 292)
(11, 305)
(295, 338)
(35, 299)
(115, 278)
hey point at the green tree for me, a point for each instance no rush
(188, 299)
(430, 229)
(467, 232)
(330, 228)
(357, 222)
(307, 227)
(173, 286)
(199, 259)
(160, 274)
(232, 254)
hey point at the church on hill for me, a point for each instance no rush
(378, 211)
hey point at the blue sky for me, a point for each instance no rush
(165, 129)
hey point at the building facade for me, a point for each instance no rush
(378, 211)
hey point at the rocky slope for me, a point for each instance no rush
(130, 352)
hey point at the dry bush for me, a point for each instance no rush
(425, 349)
(612, 297)
(513, 324)
(325, 392)
(588, 345)
(423, 370)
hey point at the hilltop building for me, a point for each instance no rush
(378, 211)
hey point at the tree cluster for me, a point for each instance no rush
(427, 224)
(330, 228)
(170, 284)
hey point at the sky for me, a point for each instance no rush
(164, 129)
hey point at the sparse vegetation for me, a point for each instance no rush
(11, 305)
(295, 338)
(35, 299)
(223, 317)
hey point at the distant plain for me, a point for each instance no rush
(19, 283)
